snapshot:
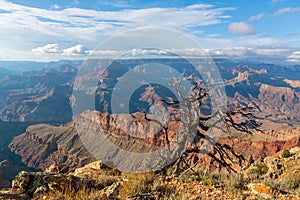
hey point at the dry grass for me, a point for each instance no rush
(290, 184)
(234, 182)
(83, 194)
(168, 188)
(139, 183)
(89, 191)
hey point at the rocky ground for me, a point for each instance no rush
(277, 177)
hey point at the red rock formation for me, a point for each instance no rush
(41, 142)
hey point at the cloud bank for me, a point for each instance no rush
(78, 49)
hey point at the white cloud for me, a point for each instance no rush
(294, 57)
(199, 6)
(228, 52)
(48, 48)
(237, 50)
(55, 7)
(256, 17)
(241, 28)
(286, 10)
(147, 53)
(65, 22)
(90, 27)
(251, 47)
(257, 41)
(213, 35)
(104, 53)
(272, 51)
(75, 50)
(280, 55)
(115, 3)
(55, 49)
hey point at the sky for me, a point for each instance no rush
(70, 29)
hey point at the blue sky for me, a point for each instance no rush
(53, 30)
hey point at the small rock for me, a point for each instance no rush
(111, 191)
(40, 191)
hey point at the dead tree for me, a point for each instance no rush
(198, 125)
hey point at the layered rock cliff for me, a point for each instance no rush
(42, 145)
(38, 96)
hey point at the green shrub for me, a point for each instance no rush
(286, 154)
(260, 169)
(235, 183)
(209, 179)
(185, 178)
(291, 183)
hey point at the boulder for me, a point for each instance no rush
(28, 182)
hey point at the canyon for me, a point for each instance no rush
(42, 102)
